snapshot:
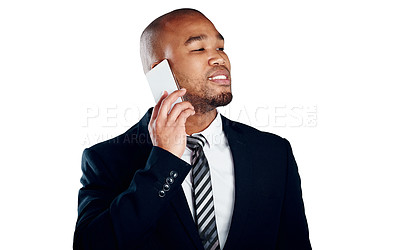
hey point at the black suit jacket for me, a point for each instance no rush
(120, 206)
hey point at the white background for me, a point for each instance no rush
(319, 73)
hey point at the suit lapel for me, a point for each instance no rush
(242, 170)
(182, 210)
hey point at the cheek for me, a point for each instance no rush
(190, 70)
(192, 66)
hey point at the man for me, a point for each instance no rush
(187, 177)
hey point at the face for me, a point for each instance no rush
(195, 50)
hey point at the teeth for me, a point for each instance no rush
(220, 77)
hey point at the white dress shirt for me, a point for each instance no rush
(220, 160)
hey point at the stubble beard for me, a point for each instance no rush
(204, 100)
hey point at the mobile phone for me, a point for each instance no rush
(162, 78)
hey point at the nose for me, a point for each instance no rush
(216, 59)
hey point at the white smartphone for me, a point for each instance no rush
(162, 78)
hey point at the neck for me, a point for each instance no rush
(198, 122)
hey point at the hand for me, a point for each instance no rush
(168, 131)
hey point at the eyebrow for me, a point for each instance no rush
(200, 38)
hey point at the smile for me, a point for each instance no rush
(221, 80)
(218, 77)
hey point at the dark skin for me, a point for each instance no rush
(194, 49)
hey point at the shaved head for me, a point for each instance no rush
(151, 48)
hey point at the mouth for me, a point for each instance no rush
(220, 77)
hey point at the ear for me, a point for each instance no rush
(156, 63)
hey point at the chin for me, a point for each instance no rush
(220, 100)
(207, 101)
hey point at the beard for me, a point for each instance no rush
(205, 101)
(202, 95)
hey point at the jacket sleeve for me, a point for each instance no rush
(293, 228)
(111, 220)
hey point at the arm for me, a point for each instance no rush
(108, 220)
(293, 228)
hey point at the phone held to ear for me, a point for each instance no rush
(162, 78)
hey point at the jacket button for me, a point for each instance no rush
(161, 193)
(170, 180)
(166, 187)
(173, 174)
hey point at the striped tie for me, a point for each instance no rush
(202, 193)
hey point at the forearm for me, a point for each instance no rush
(108, 220)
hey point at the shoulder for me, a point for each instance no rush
(252, 135)
(132, 138)
(135, 138)
(120, 156)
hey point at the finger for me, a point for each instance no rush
(157, 106)
(169, 100)
(177, 109)
(181, 120)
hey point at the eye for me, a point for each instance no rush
(220, 49)
(202, 49)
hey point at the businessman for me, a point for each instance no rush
(187, 177)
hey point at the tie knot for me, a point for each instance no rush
(195, 141)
